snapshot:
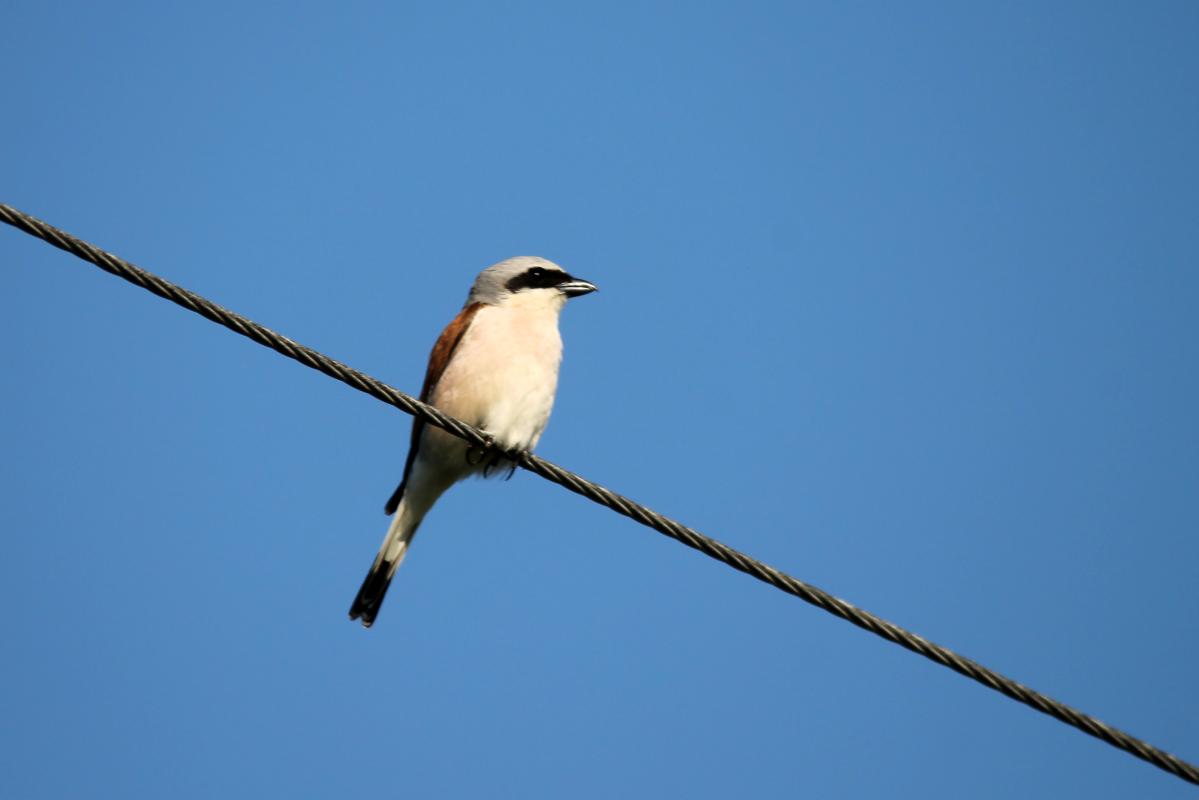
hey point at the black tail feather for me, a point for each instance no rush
(370, 596)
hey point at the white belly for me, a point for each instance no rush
(501, 378)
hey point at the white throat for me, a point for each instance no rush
(548, 301)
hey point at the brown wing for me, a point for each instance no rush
(438, 359)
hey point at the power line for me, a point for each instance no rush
(593, 491)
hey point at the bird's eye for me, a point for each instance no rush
(536, 278)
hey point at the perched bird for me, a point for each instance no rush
(495, 366)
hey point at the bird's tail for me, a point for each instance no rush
(403, 527)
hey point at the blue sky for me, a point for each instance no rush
(899, 298)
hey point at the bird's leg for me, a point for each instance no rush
(476, 454)
(490, 456)
(492, 462)
(501, 460)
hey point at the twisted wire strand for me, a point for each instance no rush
(605, 497)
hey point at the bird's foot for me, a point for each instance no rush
(488, 452)
(490, 456)
(477, 454)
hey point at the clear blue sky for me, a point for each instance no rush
(900, 298)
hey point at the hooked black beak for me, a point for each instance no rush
(576, 287)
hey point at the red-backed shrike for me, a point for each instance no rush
(495, 366)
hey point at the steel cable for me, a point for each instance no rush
(593, 491)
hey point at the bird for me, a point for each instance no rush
(495, 366)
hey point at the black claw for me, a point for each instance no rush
(492, 463)
(491, 457)
(477, 454)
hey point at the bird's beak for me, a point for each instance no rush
(575, 287)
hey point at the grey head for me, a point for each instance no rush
(514, 276)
